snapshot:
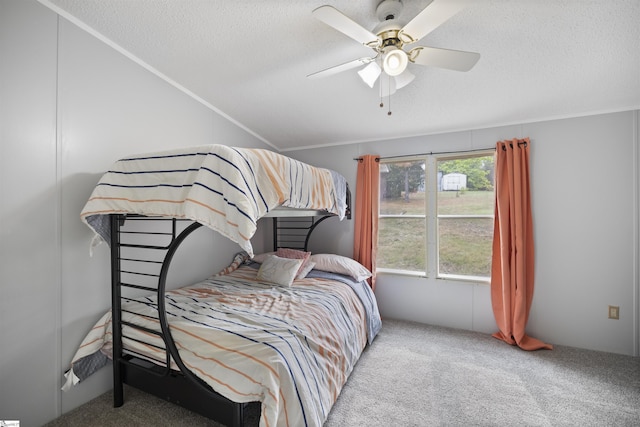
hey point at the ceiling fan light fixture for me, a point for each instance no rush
(370, 73)
(389, 66)
(395, 62)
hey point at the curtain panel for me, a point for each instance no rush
(512, 267)
(365, 243)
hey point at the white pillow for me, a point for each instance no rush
(341, 265)
(280, 271)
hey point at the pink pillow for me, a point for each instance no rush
(304, 270)
(294, 254)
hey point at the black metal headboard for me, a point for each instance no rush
(295, 231)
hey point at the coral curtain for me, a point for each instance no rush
(512, 267)
(365, 243)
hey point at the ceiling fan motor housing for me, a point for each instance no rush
(388, 9)
(394, 59)
(389, 27)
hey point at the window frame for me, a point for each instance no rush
(413, 273)
(432, 248)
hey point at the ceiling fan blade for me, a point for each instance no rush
(340, 68)
(431, 17)
(336, 19)
(456, 60)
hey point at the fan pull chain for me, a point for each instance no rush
(389, 88)
(381, 95)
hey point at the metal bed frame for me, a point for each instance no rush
(142, 249)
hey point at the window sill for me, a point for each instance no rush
(474, 279)
(446, 277)
(401, 272)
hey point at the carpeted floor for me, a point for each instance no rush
(420, 375)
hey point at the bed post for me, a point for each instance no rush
(275, 233)
(118, 390)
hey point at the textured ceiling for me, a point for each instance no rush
(540, 59)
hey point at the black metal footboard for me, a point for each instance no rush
(140, 259)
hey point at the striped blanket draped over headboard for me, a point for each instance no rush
(224, 188)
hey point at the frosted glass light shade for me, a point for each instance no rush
(370, 73)
(404, 79)
(395, 62)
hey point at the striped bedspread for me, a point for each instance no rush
(224, 188)
(290, 348)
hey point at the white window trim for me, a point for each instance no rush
(459, 278)
(431, 216)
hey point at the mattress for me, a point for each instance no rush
(290, 348)
(224, 188)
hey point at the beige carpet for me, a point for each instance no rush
(420, 375)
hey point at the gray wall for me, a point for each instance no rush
(585, 194)
(69, 107)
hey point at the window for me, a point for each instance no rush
(465, 204)
(436, 216)
(402, 219)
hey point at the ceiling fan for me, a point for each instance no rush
(389, 39)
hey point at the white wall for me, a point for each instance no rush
(29, 214)
(585, 196)
(69, 107)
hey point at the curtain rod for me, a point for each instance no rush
(431, 153)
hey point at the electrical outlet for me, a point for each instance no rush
(614, 312)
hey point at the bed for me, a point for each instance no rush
(280, 330)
